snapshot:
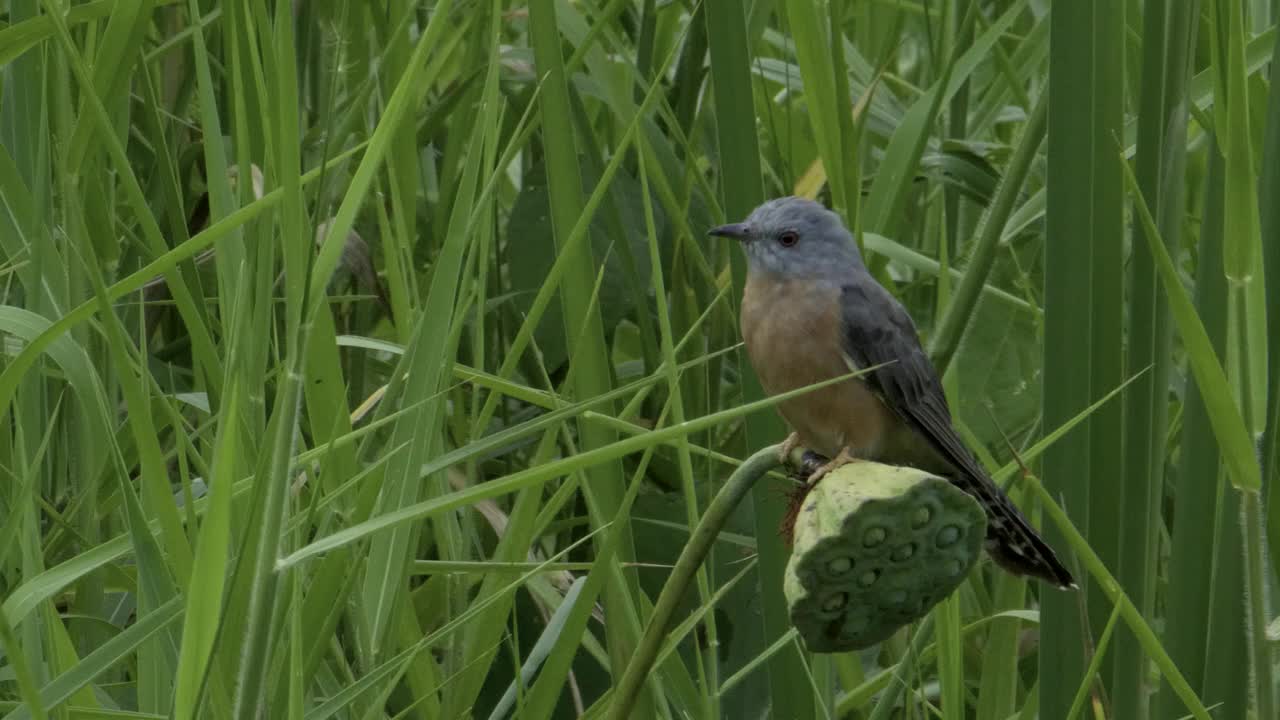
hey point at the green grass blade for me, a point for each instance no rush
(741, 188)
(1193, 552)
(884, 204)
(583, 323)
(204, 607)
(533, 476)
(1160, 168)
(1224, 415)
(433, 343)
(1111, 499)
(1132, 617)
(814, 44)
(1269, 203)
(105, 657)
(946, 336)
(1066, 383)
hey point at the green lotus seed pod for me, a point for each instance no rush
(875, 547)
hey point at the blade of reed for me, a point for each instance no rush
(709, 671)
(433, 341)
(958, 313)
(1114, 594)
(1242, 266)
(815, 43)
(1269, 204)
(1160, 169)
(1110, 499)
(1193, 553)
(1225, 420)
(103, 658)
(584, 327)
(896, 171)
(531, 476)
(1069, 220)
(305, 298)
(741, 189)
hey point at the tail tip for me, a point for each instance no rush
(1041, 564)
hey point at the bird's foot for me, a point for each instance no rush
(784, 450)
(843, 458)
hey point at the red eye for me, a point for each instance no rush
(788, 238)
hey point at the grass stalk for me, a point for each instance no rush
(950, 329)
(695, 551)
(1269, 206)
(1193, 552)
(1160, 167)
(1067, 335)
(729, 42)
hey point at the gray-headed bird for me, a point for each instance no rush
(813, 312)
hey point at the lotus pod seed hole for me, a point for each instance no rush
(869, 577)
(835, 601)
(948, 536)
(903, 552)
(954, 567)
(897, 597)
(839, 566)
(874, 536)
(921, 517)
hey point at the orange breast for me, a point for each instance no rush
(793, 335)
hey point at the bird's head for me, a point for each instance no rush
(795, 238)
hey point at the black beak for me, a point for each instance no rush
(732, 230)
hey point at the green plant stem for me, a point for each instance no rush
(1065, 379)
(686, 567)
(1194, 553)
(1160, 162)
(1111, 589)
(1251, 527)
(250, 685)
(584, 327)
(1256, 599)
(22, 671)
(964, 300)
(1095, 664)
(1269, 188)
(902, 672)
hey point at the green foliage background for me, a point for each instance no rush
(369, 360)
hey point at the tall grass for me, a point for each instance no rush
(370, 359)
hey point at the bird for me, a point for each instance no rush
(812, 312)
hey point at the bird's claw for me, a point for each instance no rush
(840, 460)
(784, 450)
(813, 467)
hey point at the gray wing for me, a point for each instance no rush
(878, 331)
